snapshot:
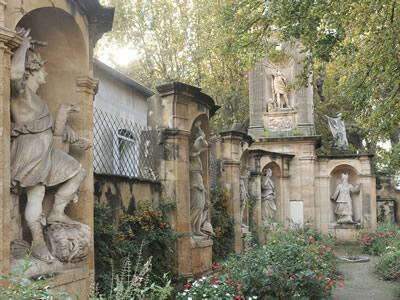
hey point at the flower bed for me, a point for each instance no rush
(294, 264)
(385, 242)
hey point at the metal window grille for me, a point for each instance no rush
(123, 147)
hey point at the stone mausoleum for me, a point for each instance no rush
(279, 166)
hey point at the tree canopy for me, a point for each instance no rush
(352, 45)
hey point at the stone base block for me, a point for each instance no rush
(345, 232)
(201, 256)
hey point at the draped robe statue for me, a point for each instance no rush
(268, 198)
(198, 193)
(344, 204)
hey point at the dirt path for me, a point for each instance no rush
(360, 281)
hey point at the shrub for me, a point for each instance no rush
(294, 264)
(22, 288)
(135, 283)
(145, 231)
(375, 243)
(388, 265)
(222, 223)
(211, 287)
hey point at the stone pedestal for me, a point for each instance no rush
(175, 111)
(283, 120)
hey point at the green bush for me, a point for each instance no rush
(222, 224)
(134, 283)
(376, 243)
(20, 287)
(146, 231)
(295, 264)
(388, 265)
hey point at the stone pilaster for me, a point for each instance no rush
(8, 41)
(83, 124)
(231, 144)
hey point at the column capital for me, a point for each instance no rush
(87, 84)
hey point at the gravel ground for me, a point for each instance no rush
(360, 281)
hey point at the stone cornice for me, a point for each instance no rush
(193, 92)
(238, 135)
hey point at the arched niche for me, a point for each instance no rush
(66, 54)
(335, 179)
(67, 59)
(276, 179)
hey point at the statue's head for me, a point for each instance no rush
(345, 177)
(268, 172)
(34, 67)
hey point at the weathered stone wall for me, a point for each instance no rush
(124, 194)
(386, 191)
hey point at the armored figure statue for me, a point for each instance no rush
(280, 90)
(268, 198)
(342, 197)
(36, 161)
(198, 193)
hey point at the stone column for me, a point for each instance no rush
(231, 154)
(8, 40)
(174, 112)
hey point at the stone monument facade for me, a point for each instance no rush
(181, 113)
(46, 176)
(307, 188)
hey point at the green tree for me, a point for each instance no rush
(196, 42)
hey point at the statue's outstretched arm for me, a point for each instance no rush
(18, 59)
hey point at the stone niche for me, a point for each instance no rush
(70, 29)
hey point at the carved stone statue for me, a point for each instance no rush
(338, 130)
(268, 198)
(342, 197)
(244, 199)
(36, 161)
(280, 90)
(198, 193)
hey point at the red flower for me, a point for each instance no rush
(214, 281)
(187, 286)
(238, 297)
(340, 284)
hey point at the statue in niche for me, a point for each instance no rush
(244, 199)
(198, 194)
(280, 99)
(338, 130)
(342, 197)
(38, 161)
(268, 198)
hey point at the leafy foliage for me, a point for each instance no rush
(135, 284)
(20, 287)
(143, 234)
(297, 264)
(196, 42)
(354, 54)
(385, 242)
(222, 223)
